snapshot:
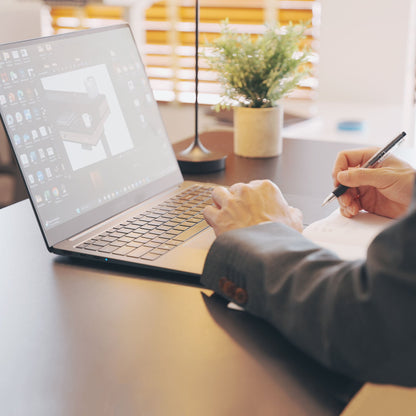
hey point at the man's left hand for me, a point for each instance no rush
(243, 205)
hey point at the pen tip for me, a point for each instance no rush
(328, 199)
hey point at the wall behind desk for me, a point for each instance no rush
(367, 54)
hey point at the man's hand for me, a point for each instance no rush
(243, 205)
(384, 190)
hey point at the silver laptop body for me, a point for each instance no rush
(89, 140)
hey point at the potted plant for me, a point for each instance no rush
(255, 74)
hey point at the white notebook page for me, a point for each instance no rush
(348, 237)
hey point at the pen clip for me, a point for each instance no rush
(386, 151)
(380, 159)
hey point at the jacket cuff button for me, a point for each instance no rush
(241, 296)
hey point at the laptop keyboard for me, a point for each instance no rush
(157, 231)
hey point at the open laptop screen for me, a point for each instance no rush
(84, 125)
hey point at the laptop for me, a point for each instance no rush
(100, 171)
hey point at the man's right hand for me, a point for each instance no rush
(384, 190)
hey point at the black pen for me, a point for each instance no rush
(378, 157)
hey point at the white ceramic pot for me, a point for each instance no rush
(258, 131)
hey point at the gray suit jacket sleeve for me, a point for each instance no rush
(357, 318)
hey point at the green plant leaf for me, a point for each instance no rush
(258, 72)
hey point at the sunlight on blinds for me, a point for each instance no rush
(69, 18)
(169, 25)
(170, 37)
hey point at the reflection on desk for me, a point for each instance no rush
(88, 340)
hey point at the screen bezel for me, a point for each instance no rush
(101, 213)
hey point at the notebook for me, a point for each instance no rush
(347, 237)
(100, 171)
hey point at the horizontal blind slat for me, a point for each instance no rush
(171, 66)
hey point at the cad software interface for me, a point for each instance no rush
(82, 120)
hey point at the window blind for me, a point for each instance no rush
(169, 25)
(66, 16)
(169, 51)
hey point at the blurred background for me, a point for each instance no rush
(363, 66)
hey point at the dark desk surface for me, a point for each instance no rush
(80, 339)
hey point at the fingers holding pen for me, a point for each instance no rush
(350, 159)
(349, 203)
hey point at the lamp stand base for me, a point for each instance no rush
(197, 159)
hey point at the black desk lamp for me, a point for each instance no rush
(196, 158)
